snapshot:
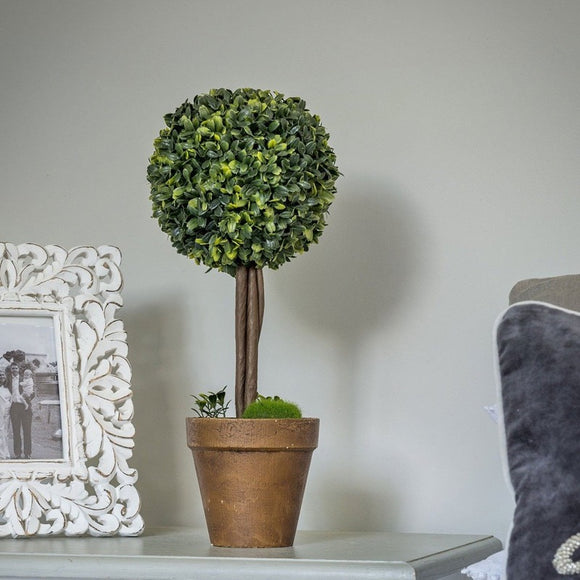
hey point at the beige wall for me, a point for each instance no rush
(456, 126)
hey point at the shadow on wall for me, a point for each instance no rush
(359, 275)
(157, 354)
(363, 267)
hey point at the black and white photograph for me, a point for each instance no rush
(30, 402)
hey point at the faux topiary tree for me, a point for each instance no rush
(242, 180)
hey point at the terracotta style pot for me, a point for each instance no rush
(252, 474)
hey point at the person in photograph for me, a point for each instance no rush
(20, 414)
(5, 404)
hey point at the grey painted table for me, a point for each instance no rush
(178, 553)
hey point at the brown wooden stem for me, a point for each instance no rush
(241, 301)
(249, 317)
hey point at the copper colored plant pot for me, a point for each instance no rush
(252, 474)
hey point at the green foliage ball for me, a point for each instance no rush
(272, 408)
(242, 177)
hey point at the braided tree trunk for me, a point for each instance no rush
(249, 316)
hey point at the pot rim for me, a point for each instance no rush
(252, 419)
(228, 433)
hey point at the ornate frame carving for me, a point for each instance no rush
(91, 490)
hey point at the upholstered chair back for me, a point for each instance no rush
(563, 291)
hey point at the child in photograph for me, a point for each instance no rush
(14, 384)
(27, 387)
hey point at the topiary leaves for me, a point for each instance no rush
(242, 178)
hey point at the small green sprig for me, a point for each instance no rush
(211, 404)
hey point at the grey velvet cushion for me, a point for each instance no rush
(538, 350)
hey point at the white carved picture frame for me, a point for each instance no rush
(86, 486)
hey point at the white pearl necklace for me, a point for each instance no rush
(562, 561)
